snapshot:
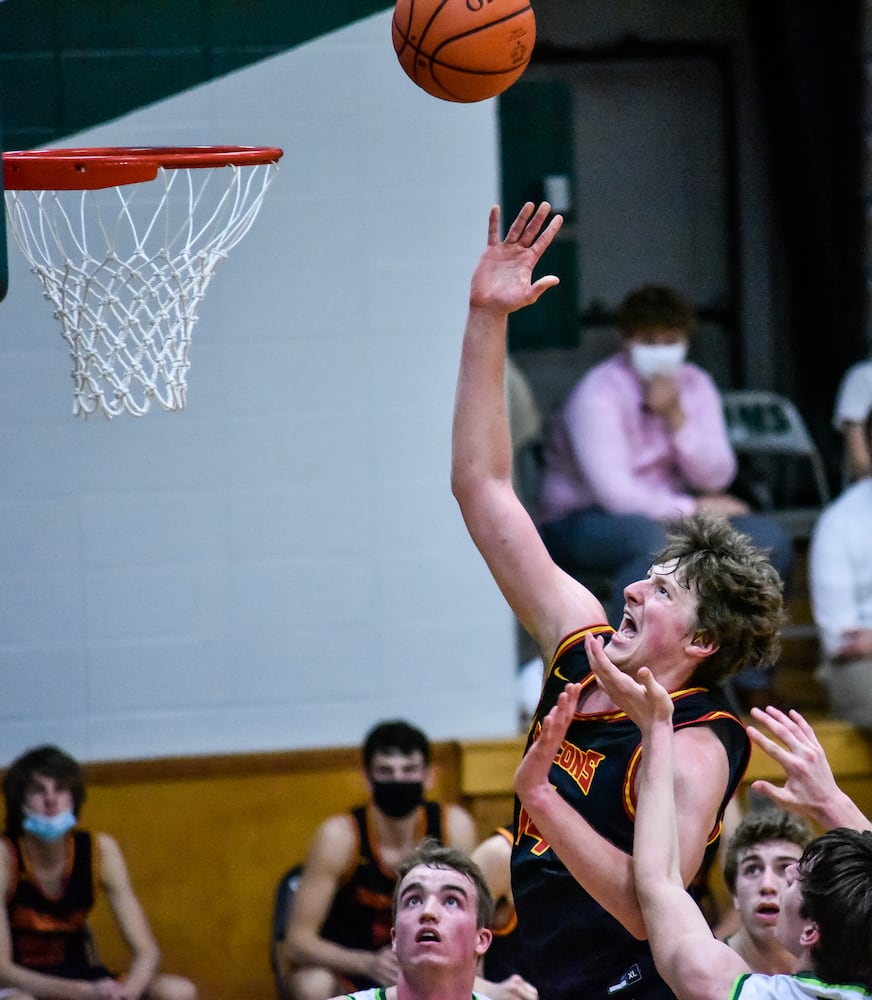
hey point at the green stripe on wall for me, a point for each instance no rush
(67, 65)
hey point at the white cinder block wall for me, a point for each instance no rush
(281, 564)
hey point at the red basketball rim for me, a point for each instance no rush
(109, 166)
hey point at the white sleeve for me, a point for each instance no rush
(832, 583)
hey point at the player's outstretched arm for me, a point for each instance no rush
(693, 963)
(596, 863)
(810, 788)
(540, 594)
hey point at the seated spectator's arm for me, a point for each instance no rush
(14, 976)
(701, 446)
(603, 454)
(130, 918)
(811, 788)
(460, 830)
(329, 856)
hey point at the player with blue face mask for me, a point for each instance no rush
(51, 872)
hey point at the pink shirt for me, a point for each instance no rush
(604, 450)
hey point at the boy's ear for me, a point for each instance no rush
(485, 936)
(700, 647)
(810, 935)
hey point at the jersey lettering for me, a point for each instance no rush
(527, 828)
(580, 765)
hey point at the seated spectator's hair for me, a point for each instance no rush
(394, 736)
(50, 762)
(431, 854)
(739, 593)
(763, 826)
(653, 307)
(835, 873)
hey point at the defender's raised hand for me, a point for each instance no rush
(810, 788)
(502, 282)
(531, 776)
(642, 698)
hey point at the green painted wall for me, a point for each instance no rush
(526, 157)
(67, 65)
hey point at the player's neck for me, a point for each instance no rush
(47, 861)
(441, 984)
(765, 955)
(44, 852)
(402, 832)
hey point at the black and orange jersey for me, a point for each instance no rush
(574, 947)
(50, 933)
(360, 916)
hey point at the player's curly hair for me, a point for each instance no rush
(763, 826)
(739, 593)
(655, 306)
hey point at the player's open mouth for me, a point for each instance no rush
(768, 911)
(427, 935)
(628, 627)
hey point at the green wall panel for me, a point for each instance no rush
(67, 65)
(535, 120)
(33, 79)
(126, 24)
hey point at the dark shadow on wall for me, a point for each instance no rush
(809, 61)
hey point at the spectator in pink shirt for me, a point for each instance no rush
(640, 440)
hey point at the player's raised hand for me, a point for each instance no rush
(810, 788)
(531, 776)
(502, 281)
(643, 698)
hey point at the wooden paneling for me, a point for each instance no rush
(206, 838)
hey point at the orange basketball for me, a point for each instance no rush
(463, 50)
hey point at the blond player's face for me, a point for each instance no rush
(659, 621)
(436, 921)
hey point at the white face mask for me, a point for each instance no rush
(649, 360)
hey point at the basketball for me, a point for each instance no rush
(463, 50)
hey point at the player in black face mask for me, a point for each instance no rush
(338, 938)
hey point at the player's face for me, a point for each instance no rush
(46, 797)
(658, 623)
(760, 879)
(436, 922)
(790, 926)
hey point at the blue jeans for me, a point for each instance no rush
(594, 542)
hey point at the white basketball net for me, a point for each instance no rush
(126, 267)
